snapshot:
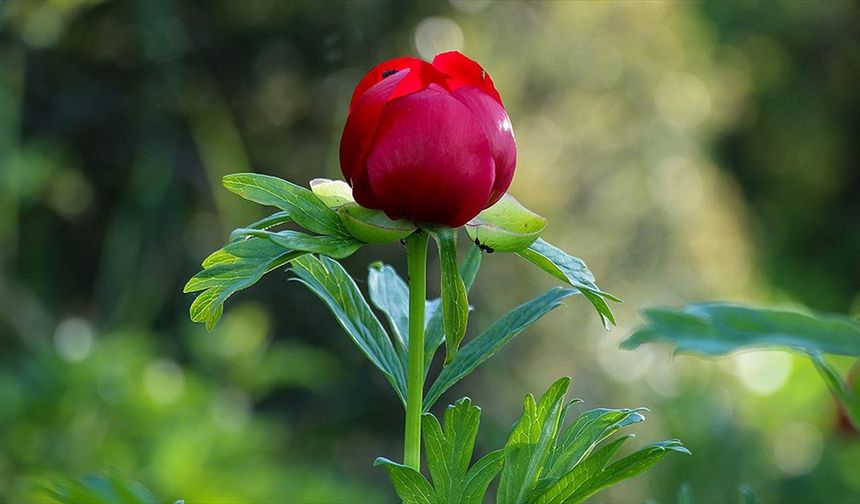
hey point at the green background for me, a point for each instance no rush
(686, 151)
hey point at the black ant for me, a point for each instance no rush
(484, 248)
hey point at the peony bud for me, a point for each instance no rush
(429, 143)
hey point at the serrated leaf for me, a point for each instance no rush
(721, 328)
(410, 485)
(455, 304)
(507, 226)
(530, 443)
(480, 476)
(373, 226)
(235, 267)
(276, 219)
(334, 193)
(583, 435)
(626, 468)
(328, 280)
(336, 247)
(573, 271)
(494, 338)
(449, 451)
(434, 334)
(305, 208)
(563, 489)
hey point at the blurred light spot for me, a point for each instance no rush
(437, 34)
(769, 60)
(763, 373)
(279, 97)
(470, 6)
(70, 193)
(163, 380)
(73, 339)
(43, 27)
(203, 233)
(244, 330)
(682, 100)
(231, 409)
(677, 185)
(596, 64)
(279, 56)
(797, 448)
(849, 454)
(724, 398)
(664, 377)
(621, 365)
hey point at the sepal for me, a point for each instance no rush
(373, 226)
(507, 226)
(334, 193)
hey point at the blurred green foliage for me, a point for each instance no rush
(686, 151)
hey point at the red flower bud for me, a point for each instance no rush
(428, 142)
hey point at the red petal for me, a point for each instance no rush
(362, 122)
(431, 161)
(422, 74)
(497, 126)
(461, 71)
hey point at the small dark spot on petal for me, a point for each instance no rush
(389, 72)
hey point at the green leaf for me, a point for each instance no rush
(276, 219)
(373, 226)
(626, 468)
(333, 246)
(530, 443)
(849, 400)
(480, 476)
(543, 467)
(583, 435)
(455, 305)
(721, 328)
(449, 452)
(494, 338)
(469, 267)
(562, 491)
(410, 485)
(305, 208)
(390, 294)
(237, 266)
(334, 193)
(328, 280)
(434, 334)
(572, 270)
(102, 489)
(507, 226)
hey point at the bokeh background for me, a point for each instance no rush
(687, 151)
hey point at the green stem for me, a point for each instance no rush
(416, 257)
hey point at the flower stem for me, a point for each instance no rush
(416, 258)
